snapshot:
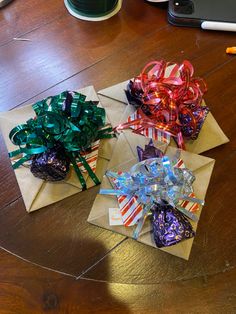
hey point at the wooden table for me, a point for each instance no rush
(58, 261)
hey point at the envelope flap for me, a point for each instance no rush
(28, 184)
(10, 119)
(135, 140)
(99, 215)
(202, 168)
(116, 92)
(128, 142)
(51, 192)
(19, 114)
(203, 176)
(123, 158)
(36, 192)
(191, 160)
(115, 110)
(211, 136)
(115, 102)
(97, 210)
(90, 93)
(106, 148)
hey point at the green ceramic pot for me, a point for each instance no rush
(92, 8)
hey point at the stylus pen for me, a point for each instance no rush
(219, 26)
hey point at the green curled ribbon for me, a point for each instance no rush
(65, 119)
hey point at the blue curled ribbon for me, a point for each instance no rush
(154, 181)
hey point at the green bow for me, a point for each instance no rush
(65, 119)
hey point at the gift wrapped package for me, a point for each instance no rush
(104, 209)
(49, 174)
(165, 103)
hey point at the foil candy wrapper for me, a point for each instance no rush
(169, 226)
(52, 165)
(150, 151)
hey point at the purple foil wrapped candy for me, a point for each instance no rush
(150, 151)
(52, 165)
(134, 95)
(192, 121)
(169, 226)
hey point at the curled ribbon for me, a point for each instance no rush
(155, 182)
(65, 120)
(170, 103)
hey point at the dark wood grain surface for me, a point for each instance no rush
(88, 269)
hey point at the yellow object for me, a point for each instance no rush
(231, 50)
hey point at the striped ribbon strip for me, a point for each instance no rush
(132, 211)
(149, 132)
(90, 157)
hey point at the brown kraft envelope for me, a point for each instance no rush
(124, 156)
(38, 193)
(118, 110)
